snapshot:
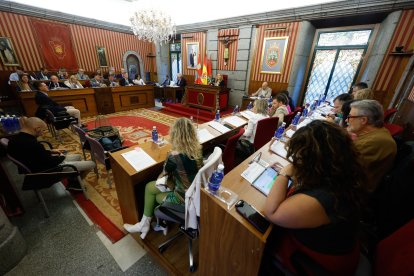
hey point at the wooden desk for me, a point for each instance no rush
(158, 92)
(215, 97)
(229, 244)
(130, 187)
(82, 99)
(104, 100)
(131, 97)
(170, 93)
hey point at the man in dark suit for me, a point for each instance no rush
(181, 82)
(55, 84)
(125, 81)
(43, 100)
(166, 82)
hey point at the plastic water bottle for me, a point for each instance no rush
(217, 117)
(279, 132)
(236, 110)
(216, 178)
(154, 134)
(7, 126)
(3, 123)
(250, 106)
(16, 124)
(296, 119)
(305, 111)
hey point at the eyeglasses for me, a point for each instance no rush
(357, 116)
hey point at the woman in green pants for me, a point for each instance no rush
(181, 166)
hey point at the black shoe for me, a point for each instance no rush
(73, 185)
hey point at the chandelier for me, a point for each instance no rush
(152, 25)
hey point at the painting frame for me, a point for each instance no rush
(273, 55)
(7, 53)
(102, 57)
(192, 48)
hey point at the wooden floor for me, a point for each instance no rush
(175, 258)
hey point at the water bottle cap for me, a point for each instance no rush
(154, 127)
(284, 123)
(220, 167)
(298, 113)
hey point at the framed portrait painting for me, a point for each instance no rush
(192, 54)
(103, 61)
(7, 53)
(273, 55)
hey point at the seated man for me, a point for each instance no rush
(43, 100)
(125, 80)
(337, 116)
(25, 148)
(181, 82)
(166, 82)
(376, 146)
(43, 74)
(15, 76)
(97, 81)
(112, 81)
(81, 75)
(55, 84)
(264, 92)
(279, 108)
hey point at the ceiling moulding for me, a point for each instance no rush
(18, 8)
(320, 11)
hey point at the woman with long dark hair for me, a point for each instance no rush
(321, 210)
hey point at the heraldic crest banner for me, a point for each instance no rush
(54, 40)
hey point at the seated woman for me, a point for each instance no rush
(73, 82)
(321, 209)
(219, 80)
(138, 80)
(279, 108)
(182, 165)
(290, 106)
(24, 83)
(244, 146)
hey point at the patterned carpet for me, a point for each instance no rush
(135, 127)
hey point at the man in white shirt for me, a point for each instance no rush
(16, 75)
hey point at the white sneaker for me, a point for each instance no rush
(157, 227)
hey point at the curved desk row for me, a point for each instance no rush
(94, 101)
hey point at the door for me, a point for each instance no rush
(175, 60)
(335, 64)
(133, 67)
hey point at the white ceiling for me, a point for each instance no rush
(182, 12)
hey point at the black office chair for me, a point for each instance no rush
(177, 213)
(56, 123)
(44, 179)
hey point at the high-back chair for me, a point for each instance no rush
(188, 215)
(230, 151)
(44, 179)
(264, 132)
(395, 130)
(99, 154)
(388, 114)
(82, 138)
(288, 118)
(56, 123)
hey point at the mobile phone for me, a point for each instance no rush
(252, 215)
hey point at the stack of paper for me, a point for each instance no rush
(138, 159)
(279, 148)
(247, 114)
(234, 121)
(289, 133)
(219, 127)
(204, 135)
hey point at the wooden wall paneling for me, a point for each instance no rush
(276, 86)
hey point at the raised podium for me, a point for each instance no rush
(214, 97)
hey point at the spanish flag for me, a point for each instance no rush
(199, 71)
(204, 76)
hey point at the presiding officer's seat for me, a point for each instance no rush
(187, 216)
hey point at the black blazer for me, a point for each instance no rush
(45, 102)
(52, 85)
(122, 82)
(182, 82)
(39, 75)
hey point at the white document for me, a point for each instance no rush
(303, 123)
(279, 148)
(204, 135)
(247, 114)
(289, 133)
(138, 159)
(253, 172)
(219, 127)
(234, 121)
